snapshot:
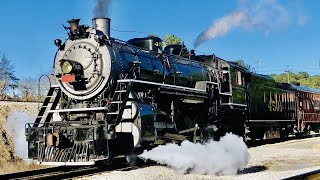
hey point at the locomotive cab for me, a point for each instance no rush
(233, 95)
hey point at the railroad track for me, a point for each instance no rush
(312, 175)
(278, 140)
(67, 172)
(120, 164)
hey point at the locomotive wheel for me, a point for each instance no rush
(298, 134)
(133, 160)
(108, 161)
(212, 132)
(237, 128)
(316, 128)
(308, 129)
(240, 130)
(256, 133)
(284, 134)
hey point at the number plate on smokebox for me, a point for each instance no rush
(68, 78)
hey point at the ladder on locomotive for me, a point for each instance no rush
(45, 106)
(119, 101)
(116, 108)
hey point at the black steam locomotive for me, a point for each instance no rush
(119, 98)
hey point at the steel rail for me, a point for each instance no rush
(66, 172)
(312, 175)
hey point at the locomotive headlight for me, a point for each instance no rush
(70, 66)
(66, 67)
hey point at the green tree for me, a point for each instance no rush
(273, 75)
(288, 77)
(302, 77)
(170, 39)
(243, 64)
(8, 81)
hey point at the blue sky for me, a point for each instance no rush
(281, 34)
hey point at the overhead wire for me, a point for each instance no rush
(130, 31)
(290, 66)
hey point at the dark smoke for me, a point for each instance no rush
(101, 8)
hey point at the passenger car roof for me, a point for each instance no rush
(307, 89)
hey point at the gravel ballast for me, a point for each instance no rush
(270, 161)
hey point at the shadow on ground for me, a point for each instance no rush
(253, 169)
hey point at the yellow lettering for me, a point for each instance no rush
(275, 106)
(269, 106)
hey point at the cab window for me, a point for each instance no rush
(239, 78)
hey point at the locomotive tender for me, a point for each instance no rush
(119, 98)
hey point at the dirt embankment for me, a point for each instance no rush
(9, 162)
(6, 143)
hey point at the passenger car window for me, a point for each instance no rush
(316, 105)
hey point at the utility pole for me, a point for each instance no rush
(258, 62)
(288, 71)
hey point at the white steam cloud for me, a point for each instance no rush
(16, 124)
(263, 15)
(101, 8)
(224, 157)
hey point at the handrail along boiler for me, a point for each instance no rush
(118, 98)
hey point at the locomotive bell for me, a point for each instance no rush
(102, 24)
(74, 24)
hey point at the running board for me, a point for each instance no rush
(79, 110)
(233, 104)
(163, 85)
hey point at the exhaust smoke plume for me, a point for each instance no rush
(16, 124)
(263, 15)
(101, 8)
(224, 157)
(222, 26)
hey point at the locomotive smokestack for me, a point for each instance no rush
(102, 24)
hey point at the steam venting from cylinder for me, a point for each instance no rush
(102, 24)
(225, 157)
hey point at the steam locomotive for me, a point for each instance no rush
(118, 98)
